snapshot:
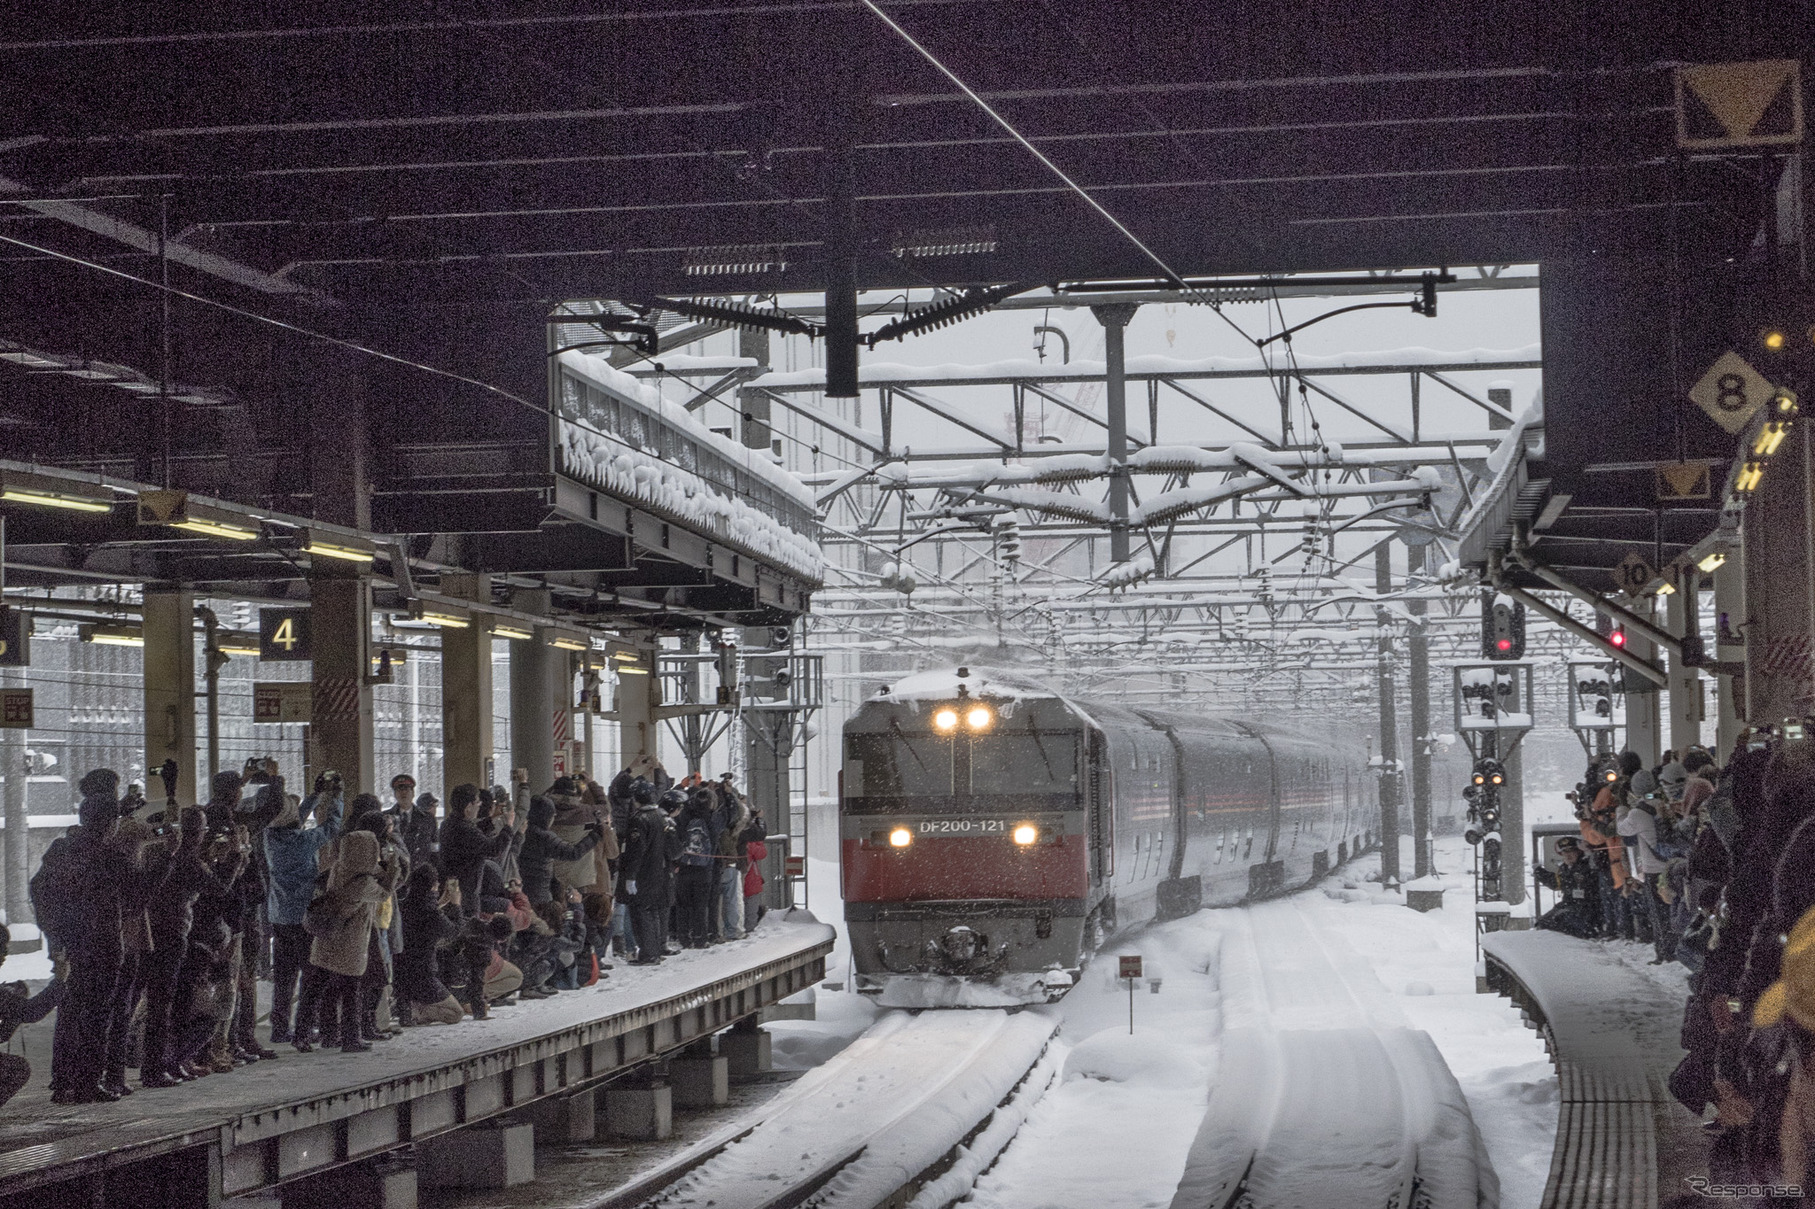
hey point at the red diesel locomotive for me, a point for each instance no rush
(993, 834)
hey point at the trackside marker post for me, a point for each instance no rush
(1130, 972)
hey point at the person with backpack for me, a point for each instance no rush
(79, 895)
(730, 815)
(644, 877)
(291, 852)
(696, 882)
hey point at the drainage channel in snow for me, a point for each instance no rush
(901, 1102)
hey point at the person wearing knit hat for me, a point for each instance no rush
(78, 896)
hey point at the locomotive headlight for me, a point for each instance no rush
(1026, 834)
(946, 719)
(901, 837)
(979, 718)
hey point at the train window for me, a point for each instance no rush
(1025, 762)
(898, 765)
(1249, 850)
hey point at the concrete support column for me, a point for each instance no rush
(1115, 326)
(638, 694)
(1730, 647)
(643, 1113)
(564, 1119)
(466, 692)
(169, 632)
(1513, 873)
(701, 1080)
(499, 1153)
(1779, 613)
(1685, 703)
(747, 1049)
(18, 862)
(385, 1183)
(1389, 721)
(532, 740)
(1418, 673)
(340, 628)
(1644, 708)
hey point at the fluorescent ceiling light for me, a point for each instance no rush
(46, 491)
(337, 549)
(447, 621)
(112, 635)
(564, 643)
(515, 632)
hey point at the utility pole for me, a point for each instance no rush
(1419, 671)
(1389, 721)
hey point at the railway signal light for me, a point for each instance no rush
(1502, 628)
(1617, 637)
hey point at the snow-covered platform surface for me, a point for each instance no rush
(1613, 1024)
(274, 1120)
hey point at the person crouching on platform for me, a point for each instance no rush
(19, 1006)
(1578, 911)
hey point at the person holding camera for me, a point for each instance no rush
(542, 847)
(465, 848)
(292, 854)
(342, 919)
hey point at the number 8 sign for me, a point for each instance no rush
(283, 636)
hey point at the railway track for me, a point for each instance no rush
(1326, 1098)
(908, 1114)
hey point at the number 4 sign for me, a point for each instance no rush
(283, 636)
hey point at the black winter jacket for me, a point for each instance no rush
(542, 848)
(464, 851)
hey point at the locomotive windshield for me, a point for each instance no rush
(901, 763)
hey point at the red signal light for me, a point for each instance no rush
(1505, 644)
(1617, 638)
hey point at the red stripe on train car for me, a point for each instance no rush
(963, 868)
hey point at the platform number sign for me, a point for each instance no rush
(283, 636)
(1633, 574)
(1732, 392)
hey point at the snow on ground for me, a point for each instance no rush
(1425, 964)
(1345, 959)
(1117, 1128)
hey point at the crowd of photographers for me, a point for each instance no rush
(1715, 867)
(364, 917)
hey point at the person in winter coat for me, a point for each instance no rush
(18, 1006)
(290, 854)
(262, 799)
(1639, 824)
(542, 847)
(644, 880)
(414, 821)
(755, 851)
(343, 942)
(732, 815)
(696, 882)
(79, 896)
(465, 848)
(142, 850)
(171, 971)
(1600, 836)
(431, 918)
(1576, 912)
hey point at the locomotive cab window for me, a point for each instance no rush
(897, 765)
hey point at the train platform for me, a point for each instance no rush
(299, 1115)
(1611, 1023)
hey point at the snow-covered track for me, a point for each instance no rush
(913, 1108)
(1325, 1100)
